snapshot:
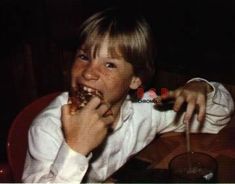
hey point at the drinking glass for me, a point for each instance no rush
(193, 167)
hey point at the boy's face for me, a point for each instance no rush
(112, 76)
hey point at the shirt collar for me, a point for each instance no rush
(125, 112)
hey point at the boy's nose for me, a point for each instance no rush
(90, 73)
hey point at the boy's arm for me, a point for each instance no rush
(216, 109)
(48, 160)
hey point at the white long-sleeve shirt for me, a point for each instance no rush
(50, 159)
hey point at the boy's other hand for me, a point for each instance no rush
(194, 94)
(86, 129)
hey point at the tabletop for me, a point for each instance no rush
(151, 164)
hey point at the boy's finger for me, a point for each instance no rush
(93, 103)
(103, 108)
(178, 103)
(108, 113)
(189, 112)
(65, 109)
(202, 108)
(201, 113)
(108, 120)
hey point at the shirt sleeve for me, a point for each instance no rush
(219, 109)
(51, 160)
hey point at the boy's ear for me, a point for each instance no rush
(135, 82)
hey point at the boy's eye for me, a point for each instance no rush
(110, 65)
(83, 57)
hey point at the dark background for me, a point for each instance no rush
(194, 38)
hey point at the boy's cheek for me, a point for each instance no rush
(75, 71)
(73, 81)
(75, 75)
(77, 67)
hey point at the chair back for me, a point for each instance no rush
(17, 142)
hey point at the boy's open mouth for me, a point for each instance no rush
(81, 95)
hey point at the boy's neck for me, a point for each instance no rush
(116, 112)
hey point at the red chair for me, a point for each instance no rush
(17, 141)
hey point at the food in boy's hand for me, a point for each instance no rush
(80, 96)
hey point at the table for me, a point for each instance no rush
(150, 165)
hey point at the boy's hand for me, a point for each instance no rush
(194, 94)
(86, 129)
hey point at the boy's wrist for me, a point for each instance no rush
(208, 86)
(78, 148)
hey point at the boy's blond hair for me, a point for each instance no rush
(129, 36)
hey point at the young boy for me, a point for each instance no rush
(115, 56)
